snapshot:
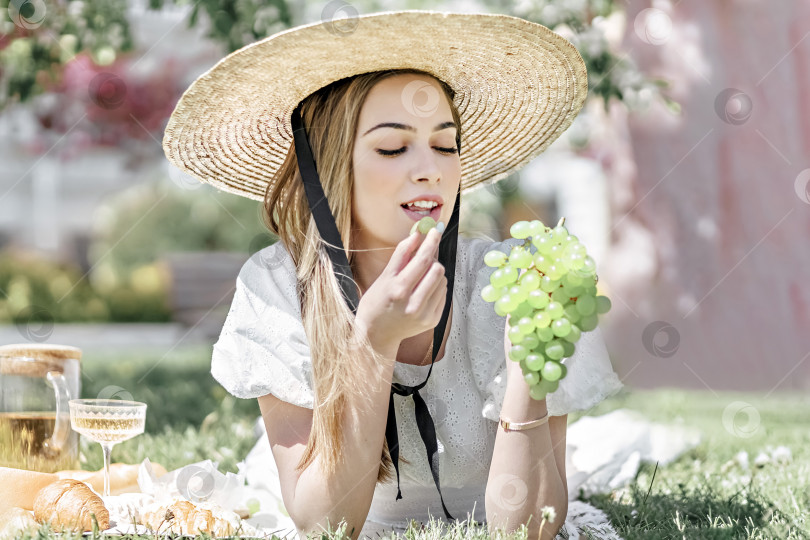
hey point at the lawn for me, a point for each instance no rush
(707, 493)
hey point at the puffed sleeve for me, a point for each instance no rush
(590, 377)
(263, 348)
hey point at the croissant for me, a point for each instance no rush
(70, 504)
(183, 517)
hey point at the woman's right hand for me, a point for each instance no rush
(409, 295)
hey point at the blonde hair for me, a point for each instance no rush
(330, 116)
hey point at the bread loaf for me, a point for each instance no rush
(70, 504)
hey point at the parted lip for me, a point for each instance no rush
(426, 197)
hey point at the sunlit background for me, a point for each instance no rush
(686, 175)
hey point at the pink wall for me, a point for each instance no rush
(711, 216)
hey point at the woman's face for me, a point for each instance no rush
(404, 150)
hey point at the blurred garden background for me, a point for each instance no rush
(687, 176)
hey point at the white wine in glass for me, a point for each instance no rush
(107, 422)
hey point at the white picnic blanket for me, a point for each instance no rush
(603, 454)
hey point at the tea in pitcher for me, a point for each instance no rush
(25, 442)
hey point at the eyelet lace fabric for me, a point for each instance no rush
(263, 349)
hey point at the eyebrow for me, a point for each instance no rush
(396, 125)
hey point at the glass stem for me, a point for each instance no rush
(107, 448)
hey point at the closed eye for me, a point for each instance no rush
(401, 150)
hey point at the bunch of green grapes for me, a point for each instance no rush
(549, 292)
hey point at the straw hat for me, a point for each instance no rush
(518, 87)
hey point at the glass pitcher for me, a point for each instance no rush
(36, 383)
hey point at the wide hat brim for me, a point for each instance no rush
(518, 87)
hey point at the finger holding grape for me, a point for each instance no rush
(548, 295)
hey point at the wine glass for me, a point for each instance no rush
(107, 422)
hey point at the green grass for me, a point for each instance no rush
(703, 494)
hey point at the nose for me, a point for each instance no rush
(425, 167)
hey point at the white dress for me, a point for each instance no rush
(263, 349)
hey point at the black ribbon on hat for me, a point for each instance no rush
(328, 230)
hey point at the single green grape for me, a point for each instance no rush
(555, 271)
(423, 225)
(542, 319)
(541, 262)
(560, 295)
(531, 342)
(526, 325)
(549, 386)
(517, 293)
(506, 303)
(522, 310)
(495, 258)
(586, 305)
(490, 293)
(555, 252)
(574, 279)
(554, 310)
(544, 334)
(571, 313)
(543, 243)
(531, 378)
(520, 229)
(535, 361)
(537, 393)
(551, 371)
(588, 265)
(548, 284)
(520, 257)
(568, 348)
(538, 299)
(561, 327)
(559, 233)
(554, 349)
(536, 227)
(530, 280)
(602, 304)
(497, 278)
(588, 322)
(510, 273)
(573, 335)
(517, 352)
(514, 334)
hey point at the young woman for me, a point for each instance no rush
(349, 138)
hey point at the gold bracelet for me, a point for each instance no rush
(520, 426)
